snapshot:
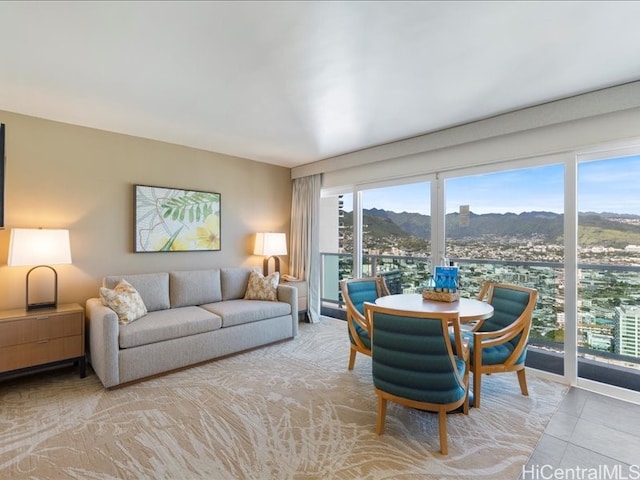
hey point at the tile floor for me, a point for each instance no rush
(590, 436)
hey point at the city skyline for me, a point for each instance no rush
(609, 185)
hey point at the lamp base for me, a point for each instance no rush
(265, 264)
(40, 306)
(51, 303)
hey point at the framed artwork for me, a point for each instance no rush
(176, 220)
(2, 159)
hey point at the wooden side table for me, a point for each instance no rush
(301, 286)
(30, 340)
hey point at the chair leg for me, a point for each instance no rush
(477, 379)
(382, 413)
(352, 358)
(465, 405)
(442, 420)
(523, 382)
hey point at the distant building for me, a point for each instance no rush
(628, 331)
(598, 341)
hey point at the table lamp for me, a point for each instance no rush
(39, 247)
(270, 245)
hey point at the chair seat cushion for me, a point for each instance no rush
(496, 355)
(492, 355)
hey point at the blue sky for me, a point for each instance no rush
(611, 185)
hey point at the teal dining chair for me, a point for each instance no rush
(354, 293)
(499, 343)
(416, 364)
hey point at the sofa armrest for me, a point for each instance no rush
(289, 294)
(103, 341)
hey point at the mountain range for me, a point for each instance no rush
(601, 229)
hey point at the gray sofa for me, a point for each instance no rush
(193, 316)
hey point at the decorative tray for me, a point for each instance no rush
(429, 294)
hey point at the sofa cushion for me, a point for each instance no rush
(234, 282)
(236, 312)
(260, 287)
(195, 287)
(152, 287)
(125, 300)
(166, 325)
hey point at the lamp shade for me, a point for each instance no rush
(37, 246)
(269, 244)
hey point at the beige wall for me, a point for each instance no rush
(64, 176)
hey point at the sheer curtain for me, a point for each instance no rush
(305, 238)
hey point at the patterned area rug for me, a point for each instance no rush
(287, 411)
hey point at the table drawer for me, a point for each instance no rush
(40, 328)
(29, 354)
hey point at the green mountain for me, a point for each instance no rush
(602, 229)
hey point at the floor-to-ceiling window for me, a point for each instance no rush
(608, 309)
(567, 225)
(507, 226)
(396, 235)
(377, 230)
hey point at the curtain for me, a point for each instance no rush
(305, 238)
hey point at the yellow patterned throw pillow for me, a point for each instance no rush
(261, 287)
(125, 300)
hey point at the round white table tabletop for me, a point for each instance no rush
(468, 309)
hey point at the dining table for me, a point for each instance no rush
(468, 309)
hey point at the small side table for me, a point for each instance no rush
(301, 286)
(31, 340)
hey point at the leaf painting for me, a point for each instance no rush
(174, 220)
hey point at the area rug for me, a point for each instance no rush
(287, 411)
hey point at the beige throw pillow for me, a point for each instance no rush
(261, 287)
(125, 300)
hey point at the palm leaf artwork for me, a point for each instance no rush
(176, 220)
(197, 205)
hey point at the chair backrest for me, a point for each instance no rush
(511, 303)
(413, 357)
(357, 291)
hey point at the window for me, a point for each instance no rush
(396, 235)
(566, 225)
(609, 265)
(507, 227)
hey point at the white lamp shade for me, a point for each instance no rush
(36, 246)
(269, 244)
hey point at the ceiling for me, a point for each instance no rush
(289, 83)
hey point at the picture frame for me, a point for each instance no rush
(2, 165)
(176, 220)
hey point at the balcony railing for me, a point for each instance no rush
(608, 302)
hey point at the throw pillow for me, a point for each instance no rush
(125, 300)
(261, 287)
